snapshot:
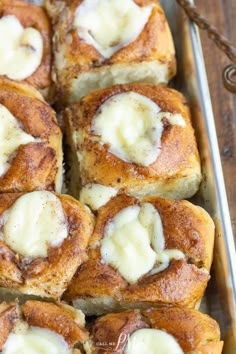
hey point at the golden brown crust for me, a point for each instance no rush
(49, 276)
(177, 163)
(7, 316)
(153, 44)
(20, 87)
(215, 348)
(37, 165)
(55, 317)
(110, 328)
(194, 331)
(59, 318)
(10, 274)
(33, 16)
(193, 221)
(95, 279)
(182, 283)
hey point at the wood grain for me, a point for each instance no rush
(222, 14)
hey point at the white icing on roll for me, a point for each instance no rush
(21, 49)
(132, 125)
(134, 243)
(34, 222)
(96, 195)
(152, 341)
(36, 340)
(110, 25)
(12, 136)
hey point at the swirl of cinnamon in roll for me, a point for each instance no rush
(37, 326)
(43, 240)
(147, 252)
(25, 47)
(30, 140)
(136, 138)
(164, 330)
(98, 44)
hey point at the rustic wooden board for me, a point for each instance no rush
(222, 14)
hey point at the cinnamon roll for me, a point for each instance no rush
(98, 44)
(30, 140)
(163, 330)
(25, 48)
(135, 138)
(40, 327)
(43, 240)
(148, 252)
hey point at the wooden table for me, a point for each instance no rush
(222, 14)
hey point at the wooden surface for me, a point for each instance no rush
(222, 14)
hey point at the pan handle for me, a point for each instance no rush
(229, 73)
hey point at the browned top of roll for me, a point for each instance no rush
(8, 314)
(186, 227)
(35, 165)
(47, 276)
(59, 318)
(153, 43)
(178, 157)
(193, 330)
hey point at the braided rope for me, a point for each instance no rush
(229, 74)
(221, 42)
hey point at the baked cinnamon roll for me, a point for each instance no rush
(98, 44)
(25, 47)
(135, 138)
(30, 140)
(158, 331)
(148, 252)
(43, 240)
(40, 327)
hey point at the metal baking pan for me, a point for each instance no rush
(220, 298)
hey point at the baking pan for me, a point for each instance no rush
(220, 298)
